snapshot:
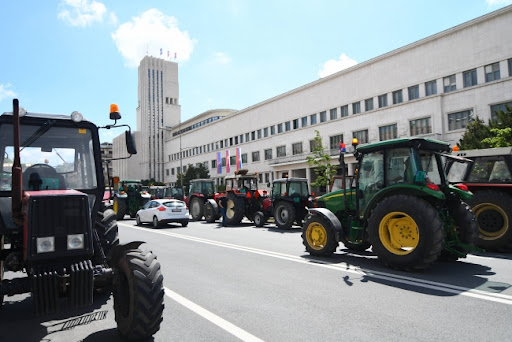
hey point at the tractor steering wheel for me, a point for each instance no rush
(44, 171)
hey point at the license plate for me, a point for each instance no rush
(176, 210)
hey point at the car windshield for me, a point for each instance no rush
(51, 158)
(174, 204)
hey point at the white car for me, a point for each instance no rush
(162, 211)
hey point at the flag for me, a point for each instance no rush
(175, 56)
(227, 162)
(160, 51)
(238, 158)
(219, 163)
(167, 53)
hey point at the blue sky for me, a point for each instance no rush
(58, 56)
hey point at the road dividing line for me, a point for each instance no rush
(222, 323)
(345, 268)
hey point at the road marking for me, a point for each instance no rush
(220, 322)
(343, 267)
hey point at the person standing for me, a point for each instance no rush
(223, 203)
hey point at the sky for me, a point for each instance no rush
(58, 56)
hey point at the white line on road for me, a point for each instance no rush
(343, 267)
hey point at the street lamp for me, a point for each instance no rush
(169, 128)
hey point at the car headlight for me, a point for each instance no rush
(76, 241)
(45, 244)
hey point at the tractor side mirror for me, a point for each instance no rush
(130, 143)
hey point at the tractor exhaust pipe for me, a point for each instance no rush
(17, 173)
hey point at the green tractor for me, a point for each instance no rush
(130, 197)
(399, 203)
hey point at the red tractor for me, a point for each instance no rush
(63, 239)
(244, 199)
(200, 190)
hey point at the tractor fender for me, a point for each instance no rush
(214, 204)
(119, 250)
(145, 195)
(330, 217)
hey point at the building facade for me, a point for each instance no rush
(430, 88)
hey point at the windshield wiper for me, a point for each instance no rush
(37, 134)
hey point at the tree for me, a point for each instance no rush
(193, 172)
(498, 132)
(321, 162)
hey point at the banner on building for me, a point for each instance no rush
(227, 162)
(219, 163)
(238, 158)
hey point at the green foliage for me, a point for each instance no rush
(193, 172)
(321, 162)
(498, 132)
(150, 182)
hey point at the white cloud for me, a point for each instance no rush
(6, 93)
(498, 2)
(222, 58)
(332, 66)
(81, 13)
(151, 32)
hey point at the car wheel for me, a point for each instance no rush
(156, 224)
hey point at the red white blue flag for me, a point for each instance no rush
(238, 158)
(219, 163)
(227, 162)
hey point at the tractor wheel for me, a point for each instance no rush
(406, 232)
(196, 208)
(119, 208)
(259, 219)
(493, 212)
(138, 295)
(358, 247)
(318, 236)
(209, 212)
(235, 210)
(284, 214)
(108, 231)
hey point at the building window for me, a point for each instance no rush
(361, 136)
(280, 128)
(368, 104)
(388, 132)
(344, 111)
(414, 92)
(244, 158)
(313, 144)
(287, 126)
(469, 78)
(172, 171)
(397, 97)
(312, 119)
(304, 121)
(492, 72)
(295, 123)
(497, 107)
(333, 114)
(334, 141)
(356, 107)
(259, 133)
(232, 160)
(323, 116)
(265, 132)
(256, 156)
(449, 84)
(297, 148)
(420, 126)
(253, 135)
(510, 66)
(430, 88)
(214, 164)
(459, 120)
(280, 151)
(221, 144)
(272, 130)
(268, 154)
(383, 101)
(247, 137)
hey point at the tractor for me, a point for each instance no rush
(289, 200)
(244, 199)
(129, 198)
(399, 203)
(199, 192)
(489, 177)
(63, 243)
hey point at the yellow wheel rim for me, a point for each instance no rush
(115, 206)
(493, 218)
(230, 210)
(316, 236)
(399, 233)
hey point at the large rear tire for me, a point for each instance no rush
(119, 208)
(235, 209)
(196, 208)
(406, 232)
(318, 236)
(138, 295)
(493, 212)
(108, 231)
(284, 215)
(210, 214)
(259, 219)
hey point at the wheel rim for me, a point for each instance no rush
(316, 236)
(257, 219)
(196, 208)
(282, 215)
(492, 221)
(399, 233)
(230, 210)
(155, 222)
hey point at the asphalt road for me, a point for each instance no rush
(258, 284)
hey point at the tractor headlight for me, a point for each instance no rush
(76, 116)
(45, 244)
(76, 241)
